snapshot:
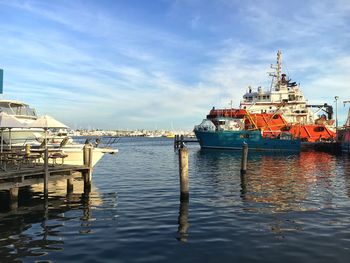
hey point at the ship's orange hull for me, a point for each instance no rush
(274, 124)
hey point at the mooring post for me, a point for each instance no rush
(182, 141)
(176, 141)
(87, 155)
(46, 170)
(27, 149)
(183, 169)
(244, 158)
(13, 198)
(70, 187)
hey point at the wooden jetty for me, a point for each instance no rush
(26, 172)
(180, 141)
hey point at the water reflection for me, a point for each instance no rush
(290, 182)
(280, 182)
(36, 227)
(183, 221)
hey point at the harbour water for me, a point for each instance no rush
(294, 208)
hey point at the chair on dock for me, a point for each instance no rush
(64, 142)
(57, 155)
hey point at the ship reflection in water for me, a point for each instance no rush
(283, 182)
(287, 182)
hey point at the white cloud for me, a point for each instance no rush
(92, 67)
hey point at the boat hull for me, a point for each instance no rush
(234, 140)
(345, 147)
(75, 155)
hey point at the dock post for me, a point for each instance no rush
(46, 175)
(87, 155)
(70, 187)
(13, 198)
(176, 141)
(244, 158)
(183, 170)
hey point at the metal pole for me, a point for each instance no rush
(46, 175)
(336, 113)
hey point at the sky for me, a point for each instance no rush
(162, 64)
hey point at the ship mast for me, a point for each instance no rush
(347, 123)
(277, 74)
(279, 67)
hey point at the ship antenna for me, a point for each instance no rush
(277, 73)
(279, 68)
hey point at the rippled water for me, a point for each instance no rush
(294, 208)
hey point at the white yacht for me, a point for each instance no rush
(25, 115)
(56, 138)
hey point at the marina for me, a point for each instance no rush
(174, 131)
(281, 198)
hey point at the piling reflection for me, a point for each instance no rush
(87, 213)
(183, 221)
(35, 227)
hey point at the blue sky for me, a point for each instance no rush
(160, 63)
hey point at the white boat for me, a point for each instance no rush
(35, 136)
(74, 152)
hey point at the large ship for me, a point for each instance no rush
(231, 132)
(280, 110)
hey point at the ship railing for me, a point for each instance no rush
(98, 141)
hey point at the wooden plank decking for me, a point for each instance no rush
(27, 175)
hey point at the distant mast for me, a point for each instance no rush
(276, 76)
(1, 80)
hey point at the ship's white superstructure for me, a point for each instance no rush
(285, 97)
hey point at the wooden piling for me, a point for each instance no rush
(183, 171)
(244, 158)
(27, 149)
(70, 187)
(13, 198)
(87, 155)
(46, 174)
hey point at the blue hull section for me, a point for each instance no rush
(345, 147)
(235, 139)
